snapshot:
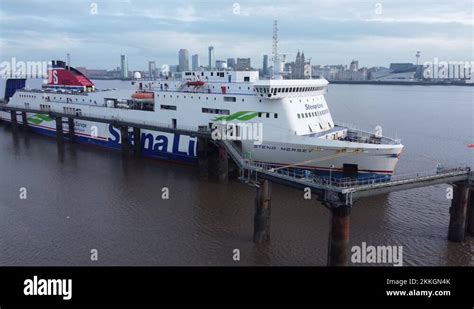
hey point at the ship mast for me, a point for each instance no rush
(278, 63)
(275, 41)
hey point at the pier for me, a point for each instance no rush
(337, 195)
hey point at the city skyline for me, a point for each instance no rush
(328, 32)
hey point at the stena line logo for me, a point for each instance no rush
(176, 144)
(50, 287)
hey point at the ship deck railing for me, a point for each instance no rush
(295, 175)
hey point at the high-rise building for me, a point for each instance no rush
(243, 64)
(123, 66)
(265, 65)
(152, 69)
(211, 57)
(195, 62)
(183, 60)
(231, 63)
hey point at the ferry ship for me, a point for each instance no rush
(298, 129)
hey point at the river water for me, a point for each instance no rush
(81, 198)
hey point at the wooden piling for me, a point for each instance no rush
(338, 243)
(223, 166)
(137, 141)
(458, 212)
(14, 121)
(262, 217)
(470, 218)
(24, 119)
(72, 130)
(59, 129)
(125, 140)
(203, 158)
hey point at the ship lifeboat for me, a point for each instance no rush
(144, 96)
(197, 83)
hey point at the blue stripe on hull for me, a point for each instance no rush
(360, 175)
(115, 146)
(335, 174)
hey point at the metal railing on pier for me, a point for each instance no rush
(389, 183)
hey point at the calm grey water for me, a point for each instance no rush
(82, 198)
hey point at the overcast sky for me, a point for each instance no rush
(329, 31)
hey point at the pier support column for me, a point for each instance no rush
(24, 119)
(137, 141)
(203, 158)
(125, 140)
(72, 130)
(59, 129)
(261, 231)
(338, 243)
(223, 166)
(470, 218)
(14, 121)
(458, 212)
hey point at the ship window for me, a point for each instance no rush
(299, 116)
(168, 107)
(215, 111)
(243, 100)
(212, 73)
(259, 114)
(275, 116)
(230, 99)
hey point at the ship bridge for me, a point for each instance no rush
(277, 89)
